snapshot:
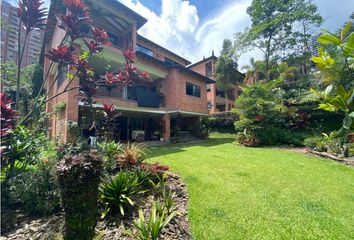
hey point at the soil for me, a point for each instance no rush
(17, 226)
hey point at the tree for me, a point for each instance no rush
(278, 27)
(336, 72)
(9, 73)
(226, 68)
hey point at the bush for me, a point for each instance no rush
(222, 122)
(132, 156)
(201, 130)
(110, 152)
(116, 192)
(267, 118)
(36, 189)
(79, 177)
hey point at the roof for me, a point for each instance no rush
(56, 7)
(114, 5)
(178, 66)
(164, 49)
(212, 57)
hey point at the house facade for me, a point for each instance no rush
(173, 99)
(218, 100)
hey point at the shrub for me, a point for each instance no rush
(222, 122)
(267, 118)
(110, 151)
(36, 189)
(79, 177)
(116, 192)
(201, 130)
(151, 229)
(132, 155)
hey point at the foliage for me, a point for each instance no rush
(116, 192)
(222, 122)
(226, 68)
(79, 177)
(151, 229)
(265, 118)
(168, 198)
(132, 156)
(22, 148)
(110, 151)
(201, 129)
(36, 189)
(274, 28)
(337, 74)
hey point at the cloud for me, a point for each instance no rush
(178, 27)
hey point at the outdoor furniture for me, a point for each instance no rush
(135, 134)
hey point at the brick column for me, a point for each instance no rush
(166, 127)
(134, 29)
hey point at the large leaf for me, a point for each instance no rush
(327, 38)
(345, 29)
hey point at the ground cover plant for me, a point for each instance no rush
(261, 193)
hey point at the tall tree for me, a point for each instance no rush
(226, 68)
(278, 28)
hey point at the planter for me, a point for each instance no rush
(79, 177)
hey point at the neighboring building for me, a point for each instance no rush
(218, 101)
(171, 101)
(9, 38)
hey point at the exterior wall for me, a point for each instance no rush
(159, 53)
(212, 97)
(175, 92)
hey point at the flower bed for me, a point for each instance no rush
(114, 226)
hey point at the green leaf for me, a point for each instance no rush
(327, 38)
(345, 29)
(341, 91)
(350, 41)
(318, 60)
(327, 107)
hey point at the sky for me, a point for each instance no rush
(194, 28)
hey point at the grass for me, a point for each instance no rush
(261, 193)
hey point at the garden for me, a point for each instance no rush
(264, 170)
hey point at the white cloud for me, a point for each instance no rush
(178, 29)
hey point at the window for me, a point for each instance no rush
(208, 69)
(145, 50)
(208, 87)
(192, 90)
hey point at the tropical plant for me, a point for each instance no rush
(116, 192)
(337, 74)
(151, 229)
(36, 189)
(168, 198)
(32, 16)
(132, 156)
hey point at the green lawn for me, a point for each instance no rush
(259, 193)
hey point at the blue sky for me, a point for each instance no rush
(194, 28)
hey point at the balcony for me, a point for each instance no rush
(131, 96)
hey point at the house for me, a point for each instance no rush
(218, 100)
(173, 99)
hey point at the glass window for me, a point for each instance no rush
(192, 90)
(208, 69)
(144, 50)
